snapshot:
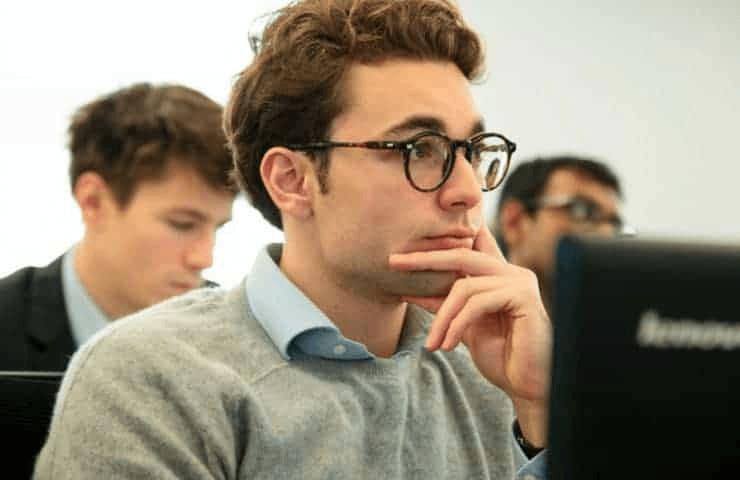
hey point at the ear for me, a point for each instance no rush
(514, 221)
(287, 176)
(94, 198)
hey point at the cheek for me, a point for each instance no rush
(540, 240)
(385, 222)
(550, 241)
(355, 229)
(371, 215)
(157, 250)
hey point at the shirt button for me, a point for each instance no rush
(340, 349)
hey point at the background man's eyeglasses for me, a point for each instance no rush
(429, 157)
(582, 210)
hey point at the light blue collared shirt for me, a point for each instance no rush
(85, 317)
(293, 321)
(290, 318)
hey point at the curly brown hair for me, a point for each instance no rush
(292, 90)
(132, 135)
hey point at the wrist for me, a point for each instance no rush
(529, 450)
(531, 419)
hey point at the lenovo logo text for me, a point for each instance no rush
(663, 332)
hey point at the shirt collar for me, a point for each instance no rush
(286, 313)
(85, 317)
(292, 320)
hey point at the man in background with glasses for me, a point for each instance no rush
(546, 198)
(354, 131)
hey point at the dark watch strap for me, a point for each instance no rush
(529, 450)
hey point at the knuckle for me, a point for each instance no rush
(461, 287)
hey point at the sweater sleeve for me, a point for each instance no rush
(142, 407)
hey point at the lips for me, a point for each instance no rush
(183, 285)
(443, 242)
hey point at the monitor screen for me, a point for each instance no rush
(646, 360)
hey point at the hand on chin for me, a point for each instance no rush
(426, 284)
(426, 288)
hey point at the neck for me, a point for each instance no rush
(99, 282)
(376, 324)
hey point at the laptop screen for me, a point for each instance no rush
(646, 360)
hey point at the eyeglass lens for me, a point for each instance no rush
(430, 160)
(585, 210)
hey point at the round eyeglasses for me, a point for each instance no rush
(429, 157)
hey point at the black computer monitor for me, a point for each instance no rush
(646, 360)
(26, 405)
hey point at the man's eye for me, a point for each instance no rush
(181, 226)
(585, 210)
(422, 149)
(580, 210)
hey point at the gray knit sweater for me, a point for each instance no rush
(194, 389)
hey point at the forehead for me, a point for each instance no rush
(571, 182)
(180, 185)
(380, 96)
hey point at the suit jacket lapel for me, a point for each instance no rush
(48, 323)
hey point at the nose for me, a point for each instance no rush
(199, 255)
(462, 190)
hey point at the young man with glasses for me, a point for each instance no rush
(546, 198)
(353, 130)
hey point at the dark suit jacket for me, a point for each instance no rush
(34, 326)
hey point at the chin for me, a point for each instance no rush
(426, 284)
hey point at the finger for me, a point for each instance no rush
(430, 304)
(461, 291)
(478, 307)
(485, 242)
(462, 260)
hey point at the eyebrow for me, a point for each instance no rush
(421, 122)
(195, 214)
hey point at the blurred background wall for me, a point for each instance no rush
(651, 87)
